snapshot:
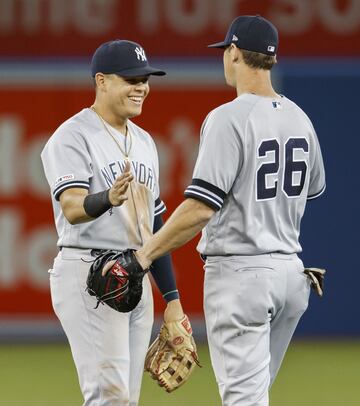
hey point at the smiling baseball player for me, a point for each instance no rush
(103, 172)
(259, 162)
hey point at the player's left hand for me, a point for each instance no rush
(173, 311)
(172, 357)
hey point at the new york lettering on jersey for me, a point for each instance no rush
(142, 173)
(91, 160)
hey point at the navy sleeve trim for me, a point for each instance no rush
(202, 198)
(316, 195)
(73, 184)
(210, 187)
(206, 192)
(159, 207)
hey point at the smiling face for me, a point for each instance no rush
(123, 97)
(119, 98)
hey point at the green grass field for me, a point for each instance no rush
(314, 373)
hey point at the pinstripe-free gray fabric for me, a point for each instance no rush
(259, 161)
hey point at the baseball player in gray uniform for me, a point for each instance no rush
(103, 173)
(259, 162)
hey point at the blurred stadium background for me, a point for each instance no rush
(45, 50)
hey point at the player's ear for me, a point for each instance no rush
(100, 81)
(235, 53)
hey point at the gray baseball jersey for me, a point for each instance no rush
(82, 154)
(259, 161)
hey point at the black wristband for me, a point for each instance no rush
(97, 204)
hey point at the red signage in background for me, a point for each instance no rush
(173, 28)
(27, 232)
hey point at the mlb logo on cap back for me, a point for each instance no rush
(251, 33)
(124, 58)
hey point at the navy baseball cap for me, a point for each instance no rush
(125, 58)
(252, 33)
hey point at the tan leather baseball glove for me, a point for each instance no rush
(316, 276)
(172, 357)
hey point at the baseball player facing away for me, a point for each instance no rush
(259, 162)
(103, 174)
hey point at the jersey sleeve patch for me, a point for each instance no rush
(315, 195)
(206, 192)
(70, 184)
(64, 178)
(159, 207)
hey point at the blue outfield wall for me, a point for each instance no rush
(328, 91)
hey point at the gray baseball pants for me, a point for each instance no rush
(252, 306)
(108, 347)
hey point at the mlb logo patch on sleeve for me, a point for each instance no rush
(64, 178)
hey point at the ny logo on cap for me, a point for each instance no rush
(271, 48)
(140, 53)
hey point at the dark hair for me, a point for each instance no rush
(258, 61)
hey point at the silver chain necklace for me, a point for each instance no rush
(125, 152)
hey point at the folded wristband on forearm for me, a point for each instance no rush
(172, 295)
(97, 204)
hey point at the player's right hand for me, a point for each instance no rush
(117, 193)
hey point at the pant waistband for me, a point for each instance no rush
(278, 255)
(94, 252)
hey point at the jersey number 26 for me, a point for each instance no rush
(291, 187)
